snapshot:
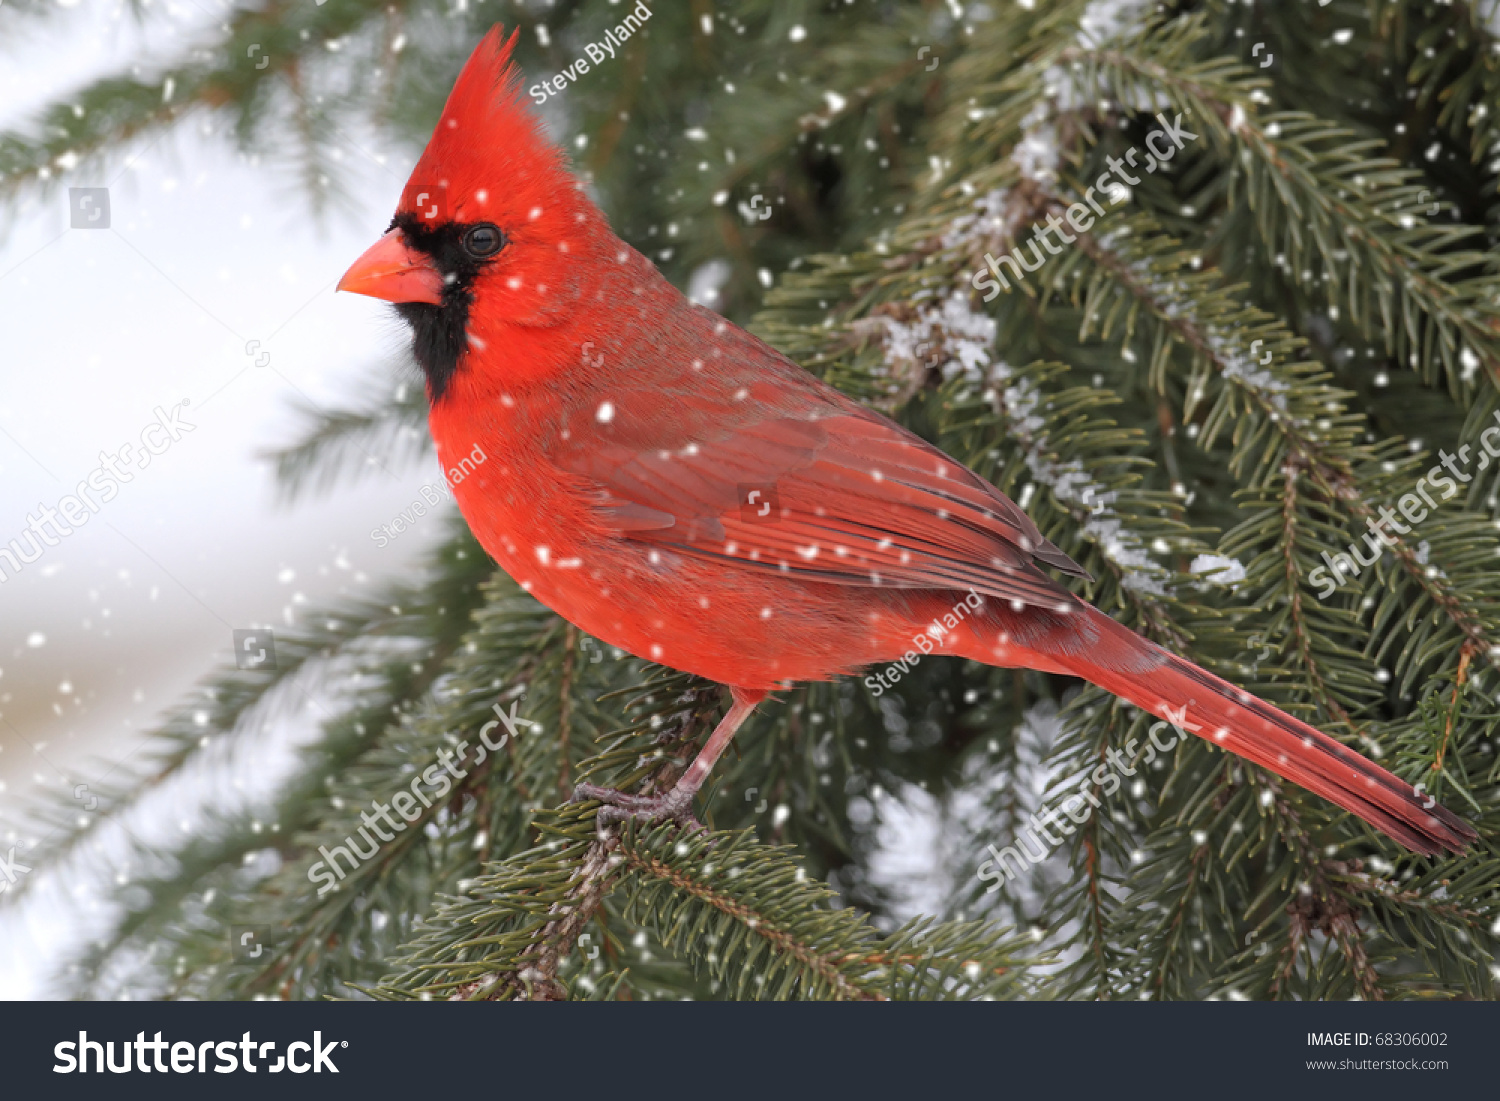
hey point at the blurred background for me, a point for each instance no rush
(210, 250)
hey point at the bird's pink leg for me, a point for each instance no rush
(678, 803)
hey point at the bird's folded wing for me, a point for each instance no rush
(845, 498)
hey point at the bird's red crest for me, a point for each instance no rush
(488, 157)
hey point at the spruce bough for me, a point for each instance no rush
(1120, 394)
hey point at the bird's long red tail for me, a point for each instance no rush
(1178, 691)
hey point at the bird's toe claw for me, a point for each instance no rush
(621, 806)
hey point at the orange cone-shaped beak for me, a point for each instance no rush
(391, 270)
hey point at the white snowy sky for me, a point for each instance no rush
(205, 252)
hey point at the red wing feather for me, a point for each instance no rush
(839, 495)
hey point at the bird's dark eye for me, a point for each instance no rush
(483, 240)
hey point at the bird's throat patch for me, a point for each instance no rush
(439, 338)
(440, 333)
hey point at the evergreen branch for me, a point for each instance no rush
(1175, 924)
(1317, 905)
(694, 880)
(731, 904)
(1201, 318)
(1291, 585)
(591, 883)
(481, 945)
(1329, 206)
(527, 944)
(341, 442)
(232, 703)
(450, 828)
(114, 111)
(535, 977)
(556, 939)
(1453, 62)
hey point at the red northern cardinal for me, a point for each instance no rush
(681, 490)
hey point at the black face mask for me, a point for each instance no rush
(459, 251)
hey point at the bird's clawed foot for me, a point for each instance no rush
(619, 806)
